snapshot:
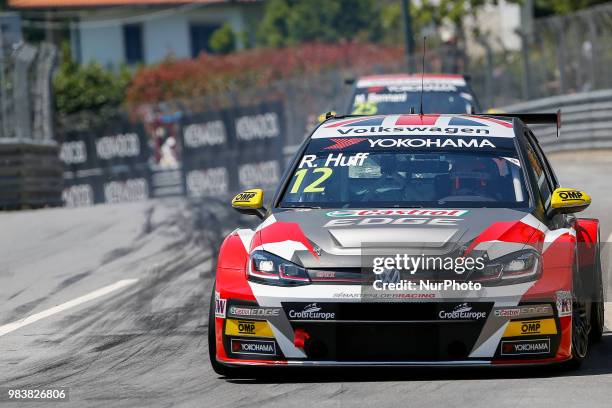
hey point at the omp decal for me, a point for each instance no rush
(248, 328)
(530, 328)
(244, 197)
(397, 212)
(570, 195)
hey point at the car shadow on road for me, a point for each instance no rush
(599, 362)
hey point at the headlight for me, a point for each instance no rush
(517, 267)
(273, 270)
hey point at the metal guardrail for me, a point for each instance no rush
(586, 120)
(30, 174)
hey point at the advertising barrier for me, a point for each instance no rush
(216, 153)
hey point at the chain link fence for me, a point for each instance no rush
(560, 55)
(569, 53)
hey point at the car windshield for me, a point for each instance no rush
(405, 173)
(368, 101)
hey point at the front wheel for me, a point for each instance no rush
(580, 324)
(597, 306)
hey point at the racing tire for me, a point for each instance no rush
(580, 325)
(597, 306)
(212, 342)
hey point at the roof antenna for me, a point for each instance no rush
(422, 76)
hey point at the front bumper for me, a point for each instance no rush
(340, 331)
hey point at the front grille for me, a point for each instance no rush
(388, 331)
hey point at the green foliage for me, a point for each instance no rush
(223, 40)
(88, 87)
(289, 22)
(423, 16)
(566, 6)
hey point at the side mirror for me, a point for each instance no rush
(569, 200)
(324, 116)
(250, 202)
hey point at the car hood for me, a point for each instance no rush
(328, 238)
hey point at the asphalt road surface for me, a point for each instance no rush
(117, 299)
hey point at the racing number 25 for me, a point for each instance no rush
(313, 187)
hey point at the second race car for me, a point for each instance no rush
(401, 93)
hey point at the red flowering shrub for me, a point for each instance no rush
(214, 75)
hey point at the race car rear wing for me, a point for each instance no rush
(533, 118)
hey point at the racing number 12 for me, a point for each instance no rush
(314, 186)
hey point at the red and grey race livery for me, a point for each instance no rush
(398, 93)
(411, 240)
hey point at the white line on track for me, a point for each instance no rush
(10, 327)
